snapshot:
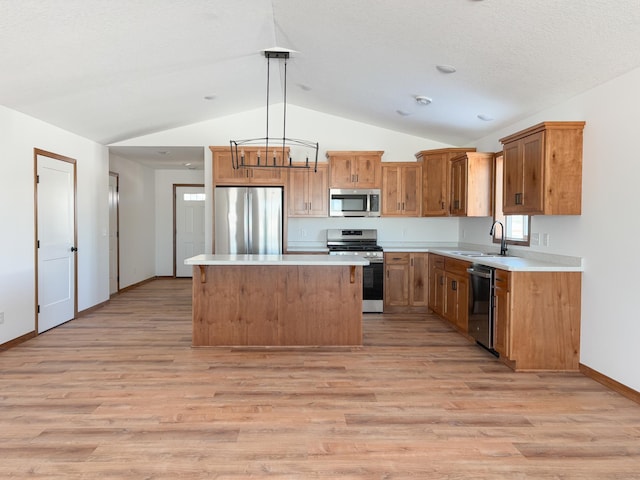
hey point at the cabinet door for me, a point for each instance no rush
(435, 186)
(318, 191)
(501, 326)
(223, 171)
(367, 171)
(436, 283)
(396, 284)
(458, 206)
(524, 175)
(267, 175)
(533, 173)
(412, 190)
(391, 190)
(418, 279)
(297, 192)
(341, 172)
(462, 313)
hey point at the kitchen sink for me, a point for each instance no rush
(479, 254)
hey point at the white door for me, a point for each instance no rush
(189, 226)
(56, 241)
(114, 274)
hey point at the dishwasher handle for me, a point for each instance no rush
(479, 273)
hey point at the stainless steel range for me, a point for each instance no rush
(363, 243)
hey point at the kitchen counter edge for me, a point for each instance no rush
(288, 259)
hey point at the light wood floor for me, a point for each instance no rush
(120, 394)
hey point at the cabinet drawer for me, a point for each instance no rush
(502, 279)
(455, 266)
(397, 258)
(436, 261)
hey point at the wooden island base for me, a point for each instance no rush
(277, 305)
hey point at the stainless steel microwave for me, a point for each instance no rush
(357, 202)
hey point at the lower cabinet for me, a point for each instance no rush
(405, 282)
(449, 290)
(537, 319)
(437, 283)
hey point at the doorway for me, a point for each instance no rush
(188, 226)
(56, 240)
(114, 233)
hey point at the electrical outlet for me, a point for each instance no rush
(535, 239)
(1, 318)
(545, 239)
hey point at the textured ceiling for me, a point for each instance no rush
(114, 70)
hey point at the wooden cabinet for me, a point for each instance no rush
(437, 281)
(225, 174)
(401, 189)
(355, 169)
(449, 290)
(501, 307)
(436, 179)
(308, 191)
(405, 283)
(543, 170)
(471, 185)
(456, 293)
(537, 319)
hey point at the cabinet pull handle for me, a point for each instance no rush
(412, 262)
(403, 206)
(454, 285)
(398, 206)
(441, 280)
(518, 198)
(309, 206)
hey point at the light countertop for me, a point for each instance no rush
(320, 260)
(518, 263)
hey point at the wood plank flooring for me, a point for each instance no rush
(120, 394)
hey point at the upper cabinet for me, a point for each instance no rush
(401, 189)
(543, 170)
(436, 179)
(355, 169)
(307, 191)
(225, 174)
(471, 185)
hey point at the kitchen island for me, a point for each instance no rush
(277, 300)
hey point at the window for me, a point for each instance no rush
(516, 226)
(194, 197)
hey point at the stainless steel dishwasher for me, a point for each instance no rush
(481, 282)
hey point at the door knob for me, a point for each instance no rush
(74, 249)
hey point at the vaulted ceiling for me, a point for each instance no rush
(114, 70)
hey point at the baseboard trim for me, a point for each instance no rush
(17, 341)
(614, 385)
(89, 310)
(136, 285)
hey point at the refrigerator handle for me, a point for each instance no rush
(249, 223)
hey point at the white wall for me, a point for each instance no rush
(606, 233)
(137, 220)
(164, 181)
(19, 135)
(332, 133)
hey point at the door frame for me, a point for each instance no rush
(62, 158)
(175, 227)
(117, 177)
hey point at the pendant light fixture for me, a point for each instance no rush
(277, 151)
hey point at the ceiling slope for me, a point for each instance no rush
(111, 71)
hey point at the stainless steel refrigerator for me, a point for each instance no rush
(248, 220)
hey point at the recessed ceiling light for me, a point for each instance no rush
(210, 97)
(187, 164)
(485, 118)
(446, 68)
(422, 100)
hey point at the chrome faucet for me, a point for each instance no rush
(503, 239)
